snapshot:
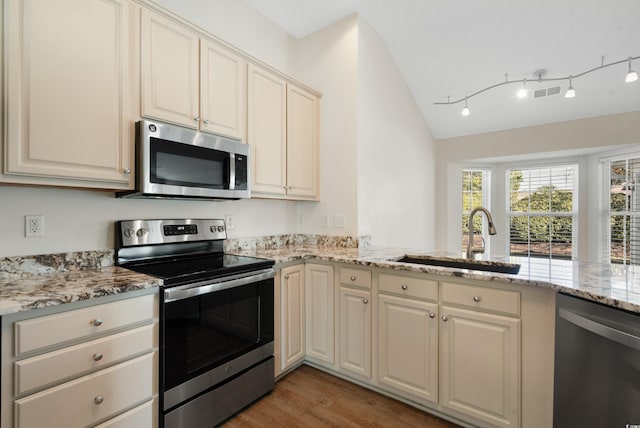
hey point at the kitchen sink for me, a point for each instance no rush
(483, 265)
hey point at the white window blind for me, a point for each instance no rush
(623, 211)
(541, 211)
(475, 193)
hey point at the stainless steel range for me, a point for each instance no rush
(216, 326)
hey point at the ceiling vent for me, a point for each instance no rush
(546, 92)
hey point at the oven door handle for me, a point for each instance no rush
(212, 286)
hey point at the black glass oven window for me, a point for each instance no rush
(206, 331)
(185, 165)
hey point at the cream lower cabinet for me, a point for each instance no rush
(292, 316)
(71, 79)
(82, 367)
(282, 129)
(408, 347)
(319, 296)
(354, 323)
(480, 355)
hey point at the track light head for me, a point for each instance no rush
(570, 92)
(632, 76)
(465, 110)
(522, 92)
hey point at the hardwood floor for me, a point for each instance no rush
(309, 397)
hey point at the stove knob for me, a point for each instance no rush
(220, 228)
(128, 233)
(141, 232)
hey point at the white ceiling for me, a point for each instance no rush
(457, 47)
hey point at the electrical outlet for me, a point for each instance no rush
(300, 219)
(341, 220)
(33, 226)
(230, 222)
(325, 220)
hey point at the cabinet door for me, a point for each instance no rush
(266, 132)
(170, 67)
(408, 346)
(355, 331)
(480, 365)
(302, 143)
(319, 297)
(222, 91)
(67, 92)
(292, 309)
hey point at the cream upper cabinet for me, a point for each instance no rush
(480, 366)
(319, 296)
(222, 90)
(191, 81)
(408, 346)
(292, 306)
(282, 129)
(70, 90)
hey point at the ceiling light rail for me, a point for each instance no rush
(631, 76)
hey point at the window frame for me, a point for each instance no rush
(485, 202)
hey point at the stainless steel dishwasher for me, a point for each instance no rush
(597, 365)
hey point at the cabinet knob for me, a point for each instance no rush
(97, 322)
(286, 277)
(206, 121)
(404, 287)
(127, 171)
(353, 278)
(97, 356)
(196, 119)
(476, 299)
(365, 301)
(432, 315)
(444, 318)
(99, 399)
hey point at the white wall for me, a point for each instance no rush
(83, 220)
(396, 153)
(573, 141)
(328, 61)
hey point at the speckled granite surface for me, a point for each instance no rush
(28, 283)
(613, 285)
(33, 282)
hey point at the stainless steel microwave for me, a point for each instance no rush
(181, 163)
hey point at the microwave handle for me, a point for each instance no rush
(205, 287)
(232, 171)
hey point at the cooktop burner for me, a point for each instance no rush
(180, 250)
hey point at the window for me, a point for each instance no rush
(541, 211)
(622, 211)
(475, 193)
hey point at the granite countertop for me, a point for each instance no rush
(28, 283)
(613, 285)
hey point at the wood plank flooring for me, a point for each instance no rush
(308, 397)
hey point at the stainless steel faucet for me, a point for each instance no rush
(471, 250)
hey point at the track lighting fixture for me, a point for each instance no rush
(570, 92)
(632, 76)
(465, 110)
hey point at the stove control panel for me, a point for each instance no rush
(149, 232)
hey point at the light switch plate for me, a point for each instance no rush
(341, 220)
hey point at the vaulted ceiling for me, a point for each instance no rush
(453, 48)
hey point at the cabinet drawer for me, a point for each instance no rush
(65, 363)
(409, 286)
(357, 277)
(59, 328)
(88, 399)
(488, 299)
(143, 416)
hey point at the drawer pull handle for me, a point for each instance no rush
(444, 318)
(476, 299)
(99, 399)
(432, 315)
(97, 356)
(365, 301)
(353, 278)
(404, 287)
(97, 322)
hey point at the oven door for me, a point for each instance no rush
(212, 331)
